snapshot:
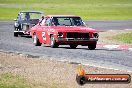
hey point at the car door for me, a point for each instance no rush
(48, 29)
(42, 31)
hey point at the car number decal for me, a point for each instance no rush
(44, 36)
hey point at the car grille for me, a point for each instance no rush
(77, 35)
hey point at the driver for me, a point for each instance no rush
(55, 22)
(27, 16)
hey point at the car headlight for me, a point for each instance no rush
(16, 24)
(60, 34)
(96, 35)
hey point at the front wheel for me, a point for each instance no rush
(36, 40)
(53, 43)
(92, 46)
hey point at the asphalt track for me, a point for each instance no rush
(117, 59)
(110, 25)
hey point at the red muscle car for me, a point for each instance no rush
(58, 30)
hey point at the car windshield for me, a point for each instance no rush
(30, 15)
(67, 21)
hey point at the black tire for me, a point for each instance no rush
(36, 40)
(73, 46)
(92, 46)
(53, 43)
(15, 34)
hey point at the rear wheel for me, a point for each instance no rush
(36, 40)
(92, 46)
(53, 43)
(73, 46)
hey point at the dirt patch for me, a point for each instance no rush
(47, 73)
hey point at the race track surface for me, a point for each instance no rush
(116, 59)
(110, 25)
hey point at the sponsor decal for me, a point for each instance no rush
(87, 28)
(51, 30)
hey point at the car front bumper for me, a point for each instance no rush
(76, 41)
(22, 32)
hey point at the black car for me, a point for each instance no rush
(25, 20)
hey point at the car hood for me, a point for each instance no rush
(73, 29)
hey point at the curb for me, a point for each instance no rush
(118, 47)
(130, 49)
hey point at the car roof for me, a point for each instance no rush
(31, 12)
(62, 16)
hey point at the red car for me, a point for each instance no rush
(58, 30)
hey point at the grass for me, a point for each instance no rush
(8, 80)
(87, 9)
(125, 37)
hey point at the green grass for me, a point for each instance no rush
(8, 80)
(87, 9)
(125, 37)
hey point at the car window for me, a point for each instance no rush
(30, 15)
(22, 15)
(35, 15)
(48, 22)
(65, 21)
(77, 21)
(68, 21)
(19, 17)
(42, 23)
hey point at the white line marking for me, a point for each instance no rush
(130, 49)
(111, 46)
